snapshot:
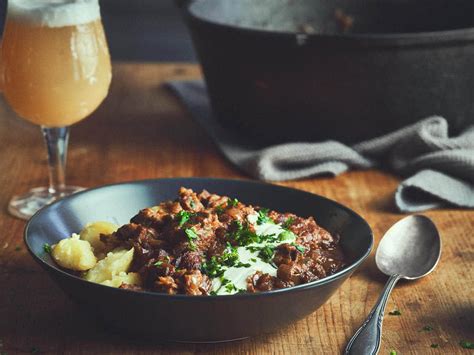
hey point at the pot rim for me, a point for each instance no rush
(397, 39)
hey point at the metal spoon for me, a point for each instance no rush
(410, 249)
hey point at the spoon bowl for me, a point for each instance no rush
(411, 248)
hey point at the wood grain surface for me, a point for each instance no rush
(140, 132)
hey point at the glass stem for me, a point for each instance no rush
(56, 139)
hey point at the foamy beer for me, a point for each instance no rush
(56, 60)
(56, 71)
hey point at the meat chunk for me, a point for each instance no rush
(195, 283)
(260, 282)
(191, 260)
(166, 284)
(285, 254)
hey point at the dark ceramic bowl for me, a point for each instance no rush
(286, 70)
(188, 318)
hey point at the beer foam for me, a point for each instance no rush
(54, 13)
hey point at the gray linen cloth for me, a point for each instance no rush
(440, 169)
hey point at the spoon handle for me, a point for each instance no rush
(366, 341)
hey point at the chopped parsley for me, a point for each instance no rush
(183, 216)
(426, 328)
(47, 248)
(266, 253)
(298, 247)
(232, 202)
(161, 262)
(288, 222)
(192, 236)
(466, 344)
(230, 256)
(241, 264)
(393, 352)
(215, 265)
(286, 235)
(219, 209)
(434, 346)
(253, 260)
(213, 293)
(230, 287)
(243, 235)
(212, 267)
(224, 282)
(395, 312)
(263, 216)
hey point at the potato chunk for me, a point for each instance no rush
(92, 232)
(113, 264)
(74, 254)
(132, 278)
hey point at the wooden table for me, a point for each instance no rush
(142, 132)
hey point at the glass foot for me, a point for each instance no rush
(25, 206)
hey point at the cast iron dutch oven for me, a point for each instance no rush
(283, 70)
(194, 318)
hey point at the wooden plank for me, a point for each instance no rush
(141, 132)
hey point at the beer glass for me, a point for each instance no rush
(56, 71)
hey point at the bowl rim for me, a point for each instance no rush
(340, 274)
(389, 38)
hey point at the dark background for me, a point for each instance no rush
(142, 30)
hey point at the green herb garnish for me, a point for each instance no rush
(192, 236)
(263, 217)
(286, 235)
(17, 248)
(230, 287)
(212, 267)
(241, 264)
(232, 202)
(230, 256)
(298, 247)
(434, 346)
(219, 209)
(183, 216)
(47, 248)
(466, 344)
(213, 293)
(393, 352)
(160, 262)
(395, 312)
(253, 260)
(215, 266)
(266, 253)
(243, 235)
(224, 281)
(288, 222)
